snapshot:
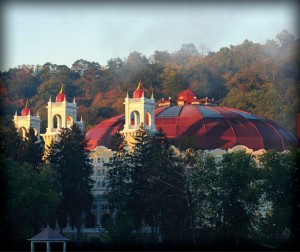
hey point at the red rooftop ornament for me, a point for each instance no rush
(139, 92)
(25, 111)
(61, 96)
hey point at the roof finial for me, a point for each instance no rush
(26, 103)
(61, 89)
(81, 119)
(74, 100)
(152, 97)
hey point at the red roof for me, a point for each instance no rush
(60, 97)
(139, 92)
(25, 111)
(187, 96)
(208, 127)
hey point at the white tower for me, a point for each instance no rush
(26, 121)
(138, 110)
(61, 114)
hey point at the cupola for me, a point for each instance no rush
(139, 92)
(61, 96)
(26, 111)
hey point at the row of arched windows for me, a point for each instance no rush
(136, 118)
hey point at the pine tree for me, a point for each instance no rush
(31, 150)
(70, 159)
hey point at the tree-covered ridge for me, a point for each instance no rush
(262, 79)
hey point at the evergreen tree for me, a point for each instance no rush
(239, 195)
(31, 200)
(31, 150)
(10, 141)
(280, 185)
(70, 159)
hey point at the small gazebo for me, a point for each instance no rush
(48, 235)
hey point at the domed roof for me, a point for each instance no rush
(206, 127)
(26, 111)
(139, 92)
(61, 96)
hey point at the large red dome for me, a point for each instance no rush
(208, 127)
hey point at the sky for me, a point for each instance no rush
(61, 32)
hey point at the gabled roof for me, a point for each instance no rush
(48, 234)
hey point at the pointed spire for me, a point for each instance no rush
(37, 114)
(152, 97)
(26, 103)
(16, 113)
(81, 119)
(127, 96)
(61, 89)
(50, 98)
(74, 100)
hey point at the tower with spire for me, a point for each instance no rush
(61, 114)
(26, 120)
(139, 110)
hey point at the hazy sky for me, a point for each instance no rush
(36, 32)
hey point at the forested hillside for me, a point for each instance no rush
(263, 79)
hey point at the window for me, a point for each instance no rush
(103, 183)
(99, 160)
(99, 183)
(92, 160)
(103, 172)
(99, 172)
(103, 160)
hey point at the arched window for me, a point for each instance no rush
(69, 121)
(35, 131)
(57, 122)
(135, 118)
(22, 132)
(148, 119)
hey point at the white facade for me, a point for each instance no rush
(99, 158)
(138, 111)
(60, 115)
(23, 123)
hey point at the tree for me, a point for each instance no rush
(70, 159)
(161, 57)
(171, 80)
(31, 150)
(10, 141)
(279, 186)
(31, 199)
(204, 192)
(152, 193)
(239, 194)
(284, 39)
